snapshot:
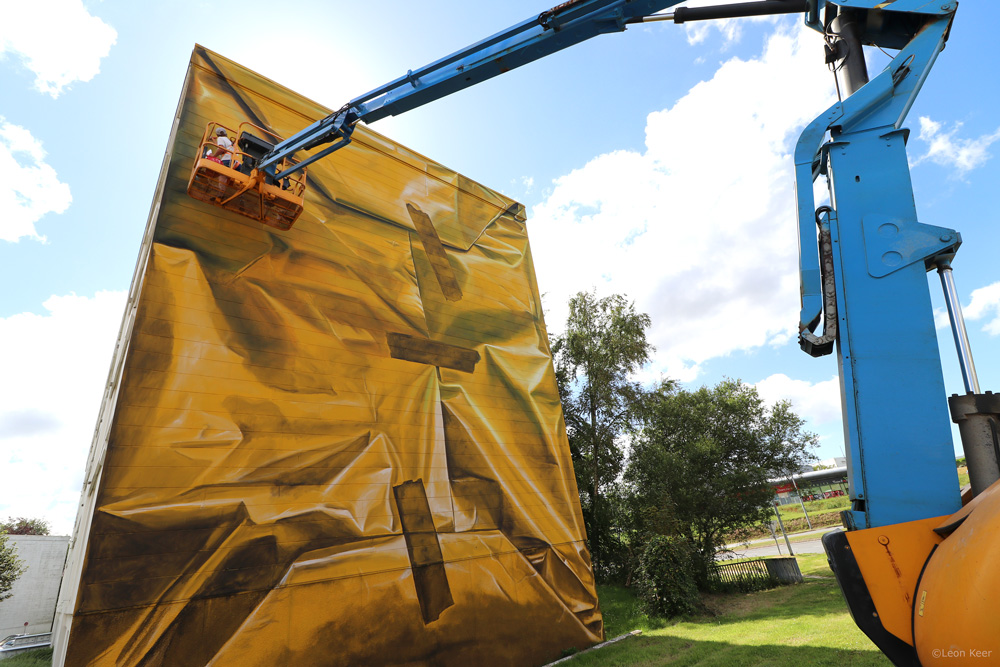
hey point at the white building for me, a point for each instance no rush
(33, 597)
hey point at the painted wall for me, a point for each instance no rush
(340, 443)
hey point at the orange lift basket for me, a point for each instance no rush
(228, 177)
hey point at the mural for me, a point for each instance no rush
(340, 444)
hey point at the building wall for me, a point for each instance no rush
(33, 598)
(339, 443)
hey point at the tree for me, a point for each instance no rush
(603, 346)
(25, 526)
(702, 463)
(11, 567)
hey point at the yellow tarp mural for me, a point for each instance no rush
(340, 444)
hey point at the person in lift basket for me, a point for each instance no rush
(225, 145)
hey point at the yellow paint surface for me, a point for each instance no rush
(246, 511)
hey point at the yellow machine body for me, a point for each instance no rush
(891, 559)
(340, 444)
(955, 616)
(924, 591)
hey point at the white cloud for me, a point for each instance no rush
(948, 150)
(58, 40)
(985, 305)
(520, 187)
(941, 319)
(700, 228)
(54, 370)
(818, 402)
(29, 188)
(698, 31)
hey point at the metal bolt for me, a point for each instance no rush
(883, 540)
(945, 237)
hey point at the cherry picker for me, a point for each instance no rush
(916, 562)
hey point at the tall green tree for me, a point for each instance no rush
(702, 463)
(11, 567)
(604, 344)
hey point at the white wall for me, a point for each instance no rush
(34, 594)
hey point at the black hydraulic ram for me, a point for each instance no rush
(740, 10)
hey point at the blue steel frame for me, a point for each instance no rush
(896, 420)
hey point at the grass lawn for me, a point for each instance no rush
(40, 657)
(805, 624)
(793, 510)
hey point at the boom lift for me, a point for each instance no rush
(229, 177)
(914, 564)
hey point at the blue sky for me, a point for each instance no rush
(654, 163)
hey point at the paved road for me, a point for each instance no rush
(760, 548)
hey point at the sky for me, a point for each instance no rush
(655, 163)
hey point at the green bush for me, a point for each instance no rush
(665, 580)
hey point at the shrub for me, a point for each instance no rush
(665, 581)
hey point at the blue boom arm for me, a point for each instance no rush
(873, 300)
(866, 278)
(554, 30)
(895, 460)
(863, 258)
